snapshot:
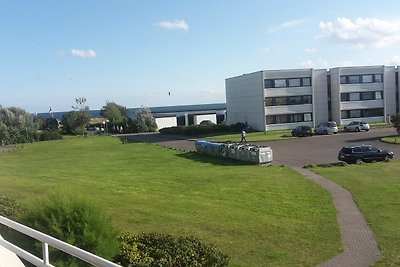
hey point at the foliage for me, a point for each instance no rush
(50, 135)
(203, 129)
(75, 220)
(152, 249)
(75, 121)
(114, 113)
(51, 124)
(143, 122)
(16, 126)
(396, 122)
(9, 208)
(258, 215)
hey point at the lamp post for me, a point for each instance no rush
(106, 122)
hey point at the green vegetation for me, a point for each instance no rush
(165, 250)
(257, 215)
(376, 190)
(251, 137)
(391, 139)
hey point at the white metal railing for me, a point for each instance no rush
(47, 240)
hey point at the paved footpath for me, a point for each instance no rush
(359, 243)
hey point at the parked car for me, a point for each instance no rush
(356, 126)
(327, 127)
(301, 131)
(365, 153)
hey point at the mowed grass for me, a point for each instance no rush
(391, 139)
(258, 215)
(376, 190)
(250, 137)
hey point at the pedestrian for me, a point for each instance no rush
(243, 137)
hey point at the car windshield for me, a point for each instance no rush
(332, 124)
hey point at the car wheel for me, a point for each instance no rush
(357, 129)
(345, 129)
(358, 161)
(386, 158)
(325, 132)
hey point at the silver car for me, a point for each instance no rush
(327, 127)
(356, 126)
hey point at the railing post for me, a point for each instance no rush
(45, 250)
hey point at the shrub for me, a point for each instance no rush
(75, 220)
(203, 129)
(10, 209)
(152, 249)
(50, 135)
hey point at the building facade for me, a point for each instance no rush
(283, 99)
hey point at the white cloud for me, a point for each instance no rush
(395, 60)
(361, 32)
(173, 25)
(265, 50)
(285, 25)
(318, 63)
(83, 53)
(310, 50)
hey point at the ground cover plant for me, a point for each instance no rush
(376, 190)
(391, 139)
(250, 136)
(257, 215)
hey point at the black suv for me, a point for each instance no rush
(302, 131)
(365, 153)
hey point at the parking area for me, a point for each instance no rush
(319, 149)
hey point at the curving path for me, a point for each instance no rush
(359, 243)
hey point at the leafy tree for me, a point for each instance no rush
(75, 121)
(114, 113)
(144, 121)
(396, 122)
(16, 126)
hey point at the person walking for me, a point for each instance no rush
(243, 137)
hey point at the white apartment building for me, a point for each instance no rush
(284, 99)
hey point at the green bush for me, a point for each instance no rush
(152, 249)
(10, 209)
(50, 135)
(203, 129)
(75, 220)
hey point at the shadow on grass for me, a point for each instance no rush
(204, 158)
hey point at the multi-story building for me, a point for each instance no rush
(282, 99)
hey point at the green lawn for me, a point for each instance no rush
(251, 137)
(258, 215)
(391, 139)
(376, 190)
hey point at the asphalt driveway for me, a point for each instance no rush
(319, 149)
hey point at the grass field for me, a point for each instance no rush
(258, 215)
(376, 190)
(251, 137)
(391, 139)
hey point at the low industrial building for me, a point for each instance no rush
(283, 99)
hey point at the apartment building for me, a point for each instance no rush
(283, 99)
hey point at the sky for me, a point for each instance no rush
(169, 52)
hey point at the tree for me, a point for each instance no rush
(396, 122)
(114, 112)
(144, 121)
(16, 126)
(75, 121)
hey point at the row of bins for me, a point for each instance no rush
(243, 152)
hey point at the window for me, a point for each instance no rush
(354, 79)
(343, 79)
(288, 118)
(280, 101)
(280, 83)
(354, 96)
(269, 119)
(268, 83)
(306, 81)
(378, 78)
(307, 117)
(344, 114)
(294, 82)
(356, 113)
(367, 96)
(307, 99)
(379, 95)
(344, 97)
(367, 78)
(295, 100)
(268, 101)
(281, 118)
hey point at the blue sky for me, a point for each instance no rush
(135, 52)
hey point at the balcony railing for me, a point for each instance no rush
(47, 241)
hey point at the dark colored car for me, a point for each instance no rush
(365, 153)
(302, 131)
